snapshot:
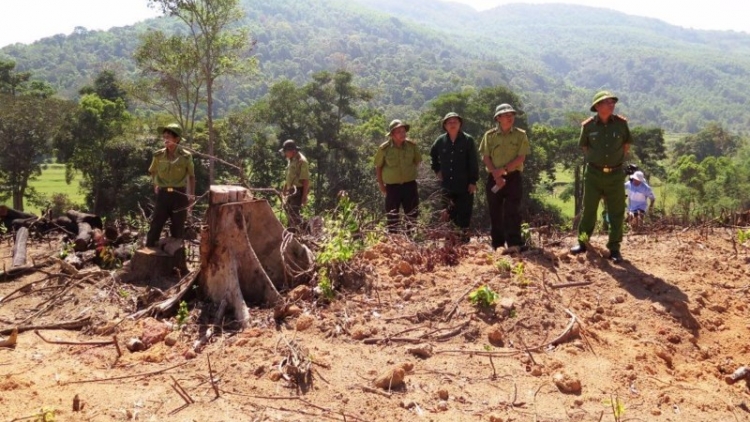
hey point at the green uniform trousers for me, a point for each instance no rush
(597, 184)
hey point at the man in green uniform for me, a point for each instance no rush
(396, 164)
(454, 161)
(173, 176)
(297, 184)
(504, 149)
(605, 139)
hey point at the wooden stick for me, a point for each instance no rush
(528, 352)
(181, 391)
(211, 377)
(66, 325)
(394, 339)
(145, 374)
(74, 343)
(574, 284)
(117, 346)
(375, 391)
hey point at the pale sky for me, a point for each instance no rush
(26, 21)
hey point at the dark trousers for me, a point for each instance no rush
(460, 206)
(169, 206)
(294, 208)
(597, 184)
(397, 196)
(505, 214)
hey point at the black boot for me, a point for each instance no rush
(581, 248)
(616, 257)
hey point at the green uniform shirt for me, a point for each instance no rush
(605, 140)
(399, 163)
(297, 170)
(171, 173)
(503, 148)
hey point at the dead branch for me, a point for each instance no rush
(211, 377)
(574, 284)
(456, 303)
(13, 273)
(181, 391)
(65, 325)
(392, 339)
(367, 389)
(159, 308)
(74, 343)
(144, 374)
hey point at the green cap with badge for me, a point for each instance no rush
(451, 115)
(504, 108)
(395, 125)
(601, 96)
(172, 127)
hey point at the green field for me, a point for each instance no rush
(52, 181)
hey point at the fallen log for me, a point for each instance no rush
(19, 247)
(9, 214)
(65, 325)
(85, 224)
(13, 273)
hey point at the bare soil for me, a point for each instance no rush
(569, 337)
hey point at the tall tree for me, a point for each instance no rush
(218, 45)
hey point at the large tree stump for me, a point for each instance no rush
(241, 252)
(19, 247)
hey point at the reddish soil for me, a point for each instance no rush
(657, 334)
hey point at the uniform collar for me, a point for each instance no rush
(599, 121)
(500, 130)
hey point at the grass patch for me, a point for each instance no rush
(52, 181)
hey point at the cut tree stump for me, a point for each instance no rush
(245, 254)
(151, 266)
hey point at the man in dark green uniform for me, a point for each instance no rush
(173, 176)
(605, 139)
(297, 182)
(504, 149)
(454, 161)
(396, 164)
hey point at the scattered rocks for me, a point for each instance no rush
(423, 350)
(496, 336)
(135, 345)
(301, 292)
(566, 383)
(442, 406)
(660, 308)
(171, 339)
(391, 378)
(408, 404)
(190, 354)
(507, 303)
(304, 322)
(153, 331)
(360, 332)
(495, 418)
(443, 394)
(618, 299)
(407, 294)
(405, 268)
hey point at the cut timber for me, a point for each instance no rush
(241, 252)
(85, 223)
(151, 266)
(19, 248)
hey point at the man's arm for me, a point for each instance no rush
(379, 177)
(516, 163)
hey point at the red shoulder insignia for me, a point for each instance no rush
(621, 117)
(589, 120)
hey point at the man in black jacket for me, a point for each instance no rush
(455, 163)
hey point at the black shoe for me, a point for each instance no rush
(616, 257)
(581, 248)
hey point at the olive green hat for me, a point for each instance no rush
(600, 96)
(504, 108)
(172, 127)
(451, 115)
(289, 145)
(395, 125)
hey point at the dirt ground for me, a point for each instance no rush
(569, 339)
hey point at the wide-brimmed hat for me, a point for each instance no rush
(451, 115)
(175, 128)
(395, 125)
(504, 108)
(289, 145)
(638, 176)
(601, 96)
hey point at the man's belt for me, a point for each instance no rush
(172, 189)
(606, 169)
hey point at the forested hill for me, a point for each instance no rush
(408, 52)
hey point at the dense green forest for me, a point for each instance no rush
(408, 53)
(332, 74)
